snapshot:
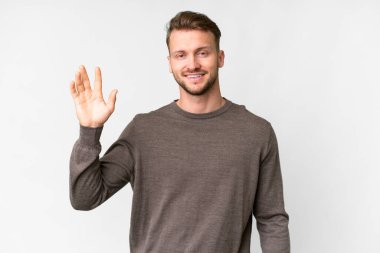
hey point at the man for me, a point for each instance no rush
(199, 167)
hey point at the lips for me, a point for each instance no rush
(195, 76)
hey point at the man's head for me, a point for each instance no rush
(194, 54)
(188, 20)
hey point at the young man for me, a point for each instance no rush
(199, 167)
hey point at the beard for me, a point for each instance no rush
(209, 83)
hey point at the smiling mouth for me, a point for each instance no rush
(195, 76)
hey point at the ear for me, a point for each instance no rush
(220, 58)
(170, 67)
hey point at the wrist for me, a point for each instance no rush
(90, 135)
(91, 125)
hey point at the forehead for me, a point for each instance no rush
(190, 40)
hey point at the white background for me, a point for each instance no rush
(310, 67)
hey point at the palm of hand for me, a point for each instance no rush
(91, 109)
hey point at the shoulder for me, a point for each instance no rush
(145, 117)
(251, 120)
(148, 123)
(141, 124)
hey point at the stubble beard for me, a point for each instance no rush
(209, 84)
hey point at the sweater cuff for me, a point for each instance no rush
(90, 136)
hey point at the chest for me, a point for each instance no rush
(203, 152)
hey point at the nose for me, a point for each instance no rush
(193, 64)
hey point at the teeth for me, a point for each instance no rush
(194, 76)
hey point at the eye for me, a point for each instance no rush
(203, 53)
(179, 55)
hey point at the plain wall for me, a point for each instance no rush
(309, 67)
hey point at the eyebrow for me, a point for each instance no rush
(198, 49)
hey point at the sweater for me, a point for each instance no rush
(197, 180)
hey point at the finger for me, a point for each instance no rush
(79, 83)
(98, 82)
(86, 80)
(73, 91)
(112, 100)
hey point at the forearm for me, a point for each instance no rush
(86, 186)
(274, 232)
(93, 180)
(271, 218)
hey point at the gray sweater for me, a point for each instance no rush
(197, 179)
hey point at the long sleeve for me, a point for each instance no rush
(94, 180)
(269, 211)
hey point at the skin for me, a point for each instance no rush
(190, 51)
(195, 51)
(91, 109)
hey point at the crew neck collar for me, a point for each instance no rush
(206, 115)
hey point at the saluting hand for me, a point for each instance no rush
(91, 109)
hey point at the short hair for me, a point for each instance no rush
(188, 20)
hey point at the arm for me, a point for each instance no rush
(271, 217)
(94, 180)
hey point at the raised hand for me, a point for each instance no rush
(91, 109)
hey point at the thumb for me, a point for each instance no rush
(112, 100)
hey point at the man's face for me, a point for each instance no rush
(194, 60)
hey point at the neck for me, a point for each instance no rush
(201, 104)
